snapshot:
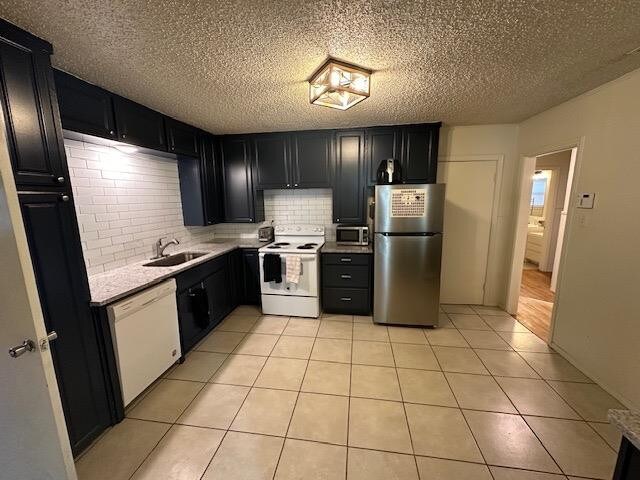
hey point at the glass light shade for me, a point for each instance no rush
(339, 85)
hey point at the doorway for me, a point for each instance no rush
(542, 223)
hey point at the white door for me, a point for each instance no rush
(34, 438)
(467, 227)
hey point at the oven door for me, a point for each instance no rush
(307, 285)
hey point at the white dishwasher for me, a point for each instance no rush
(146, 338)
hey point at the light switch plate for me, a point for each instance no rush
(585, 200)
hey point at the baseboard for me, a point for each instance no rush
(601, 382)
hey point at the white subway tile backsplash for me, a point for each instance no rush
(125, 202)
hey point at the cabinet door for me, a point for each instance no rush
(420, 153)
(139, 125)
(193, 315)
(217, 285)
(382, 144)
(271, 161)
(238, 187)
(54, 243)
(30, 109)
(251, 277)
(311, 159)
(212, 180)
(84, 108)
(236, 279)
(182, 139)
(348, 188)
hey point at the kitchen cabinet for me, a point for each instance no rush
(182, 139)
(382, 143)
(245, 277)
(242, 203)
(348, 186)
(347, 283)
(628, 463)
(293, 159)
(31, 116)
(139, 125)
(311, 159)
(251, 277)
(85, 108)
(56, 254)
(201, 185)
(420, 153)
(271, 161)
(204, 299)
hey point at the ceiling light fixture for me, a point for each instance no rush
(339, 85)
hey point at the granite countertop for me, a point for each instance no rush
(114, 285)
(629, 424)
(333, 247)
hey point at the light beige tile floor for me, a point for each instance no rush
(264, 398)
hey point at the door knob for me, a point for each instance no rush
(18, 350)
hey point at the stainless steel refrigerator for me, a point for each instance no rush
(408, 252)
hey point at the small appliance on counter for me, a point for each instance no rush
(389, 172)
(352, 235)
(265, 234)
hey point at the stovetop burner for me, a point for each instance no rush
(281, 244)
(307, 246)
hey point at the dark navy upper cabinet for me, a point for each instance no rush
(348, 185)
(242, 204)
(182, 139)
(139, 125)
(271, 161)
(311, 158)
(382, 143)
(30, 109)
(54, 243)
(201, 185)
(85, 108)
(420, 153)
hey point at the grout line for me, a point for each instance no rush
(295, 404)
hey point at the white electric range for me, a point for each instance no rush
(301, 299)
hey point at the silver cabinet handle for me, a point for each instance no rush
(346, 259)
(18, 350)
(112, 133)
(345, 299)
(60, 179)
(345, 276)
(64, 198)
(295, 184)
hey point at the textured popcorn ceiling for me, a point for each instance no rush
(241, 66)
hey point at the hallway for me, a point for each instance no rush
(536, 302)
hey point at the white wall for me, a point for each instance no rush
(125, 202)
(486, 143)
(597, 320)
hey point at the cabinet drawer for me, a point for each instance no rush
(346, 258)
(346, 300)
(346, 276)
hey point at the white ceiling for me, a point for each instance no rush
(241, 66)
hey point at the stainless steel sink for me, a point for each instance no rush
(176, 259)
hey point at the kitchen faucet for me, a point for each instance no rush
(160, 248)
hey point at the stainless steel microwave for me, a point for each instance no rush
(352, 235)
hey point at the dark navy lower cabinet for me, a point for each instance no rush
(347, 283)
(628, 465)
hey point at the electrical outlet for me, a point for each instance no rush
(583, 219)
